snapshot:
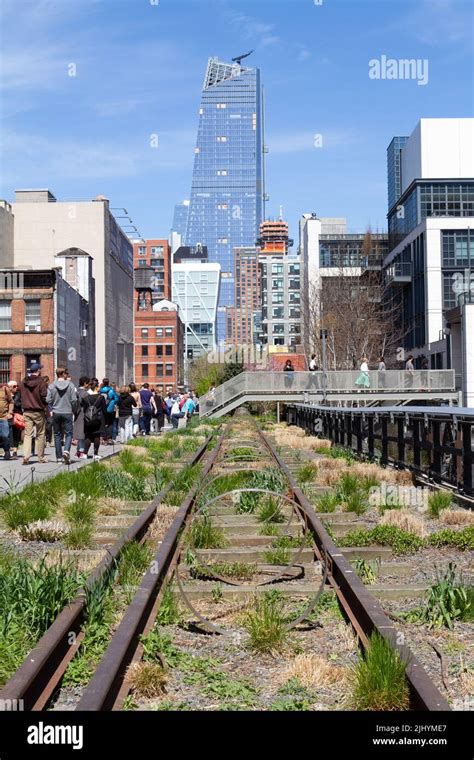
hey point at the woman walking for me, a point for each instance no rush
(94, 419)
(126, 403)
(159, 412)
(363, 379)
(136, 411)
(78, 433)
(17, 421)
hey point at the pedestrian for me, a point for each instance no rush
(382, 368)
(79, 435)
(313, 367)
(159, 411)
(111, 399)
(33, 392)
(136, 411)
(49, 420)
(169, 401)
(189, 407)
(176, 413)
(410, 370)
(126, 404)
(6, 414)
(363, 380)
(17, 422)
(94, 418)
(62, 398)
(146, 397)
(290, 370)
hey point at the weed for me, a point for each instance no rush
(448, 600)
(270, 511)
(327, 502)
(355, 503)
(459, 539)
(241, 570)
(384, 535)
(366, 571)
(43, 530)
(306, 473)
(437, 502)
(265, 623)
(147, 679)
(278, 556)
(379, 681)
(169, 613)
(205, 535)
(216, 593)
(134, 561)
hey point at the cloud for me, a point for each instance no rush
(304, 54)
(251, 28)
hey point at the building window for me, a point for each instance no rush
(168, 331)
(32, 359)
(144, 332)
(159, 370)
(5, 316)
(142, 250)
(169, 370)
(221, 105)
(169, 350)
(32, 316)
(144, 370)
(223, 240)
(222, 139)
(144, 350)
(278, 312)
(159, 332)
(142, 263)
(4, 369)
(159, 350)
(277, 268)
(222, 172)
(278, 329)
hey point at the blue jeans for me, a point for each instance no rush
(62, 425)
(145, 420)
(5, 436)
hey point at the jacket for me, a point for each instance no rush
(83, 397)
(33, 393)
(126, 403)
(62, 397)
(6, 403)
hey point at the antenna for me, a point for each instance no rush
(281, 213)
(240, 58)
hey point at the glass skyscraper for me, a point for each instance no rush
(394, 169)
(180, 218)
(226, 195)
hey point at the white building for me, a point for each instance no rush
(195, 288)
(44, 228)
(431, 247)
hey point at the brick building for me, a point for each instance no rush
(43, 319)
(247, 297)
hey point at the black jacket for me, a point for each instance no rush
(126, 403)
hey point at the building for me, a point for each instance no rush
(193, 254)
(44, 319)
(155, 257)
(44, 227)
(180, 222)
(226, 196)
(247, 298)
(394, 169)
(159, 336)
(196, 291)
(6, 234)
(430, 260)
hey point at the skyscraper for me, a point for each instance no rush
(226, 195)
(394, 169)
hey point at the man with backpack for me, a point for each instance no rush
(33, 390)
(111, 398)
(62, 398)
(94, 415)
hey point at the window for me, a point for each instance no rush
(169, 350)
(159, 350)
(144, 350)
(144, 370)
(222, 172)
(32, 316)
(169, 369)
(222, 139)
(159, 332)
(223, 240)
(277, 283)
(278, 329)
(159, 370)
(277, 297)
(156, 262)
(142, 250)
(5, 316)
(4, 369)
(277, 268)
(142, 263)
(144, 332)
(168, 331)
(278, 312)
(221, 105)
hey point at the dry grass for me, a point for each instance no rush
(313, 670)
(345, 635)
(404, 520)
(466, 680)
(456, 517)
(109, 506)
(48, 531)
(165, 515)
(147, 679)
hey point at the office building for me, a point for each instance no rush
(45, 227)
(154, 256)
(431, 247)
(226, 196)
(394, 169)
(180, 222)
(247, 298)
(196, 292)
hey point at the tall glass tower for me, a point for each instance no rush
(394, 170)
(226, 194)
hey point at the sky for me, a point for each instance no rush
(101, 97)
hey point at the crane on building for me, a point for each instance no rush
(240, 58)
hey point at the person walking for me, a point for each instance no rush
(159, 413)
(111, 398)
(146, 397)
(382, 368)
(78, 433)
(62, 398)
(176, 413)
(189, 406)
(94, 418)
(313, 367)
(6, 414)
(126, 404)
(136, 411)
(363, 380)
(33, 392)
(169, 401)
(289, 369)
(410, 370)
(17, 421)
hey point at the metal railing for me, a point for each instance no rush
(399, 272)
(350, 382)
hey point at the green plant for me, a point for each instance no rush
(241, 570)
(134, 561)
(205, 535)
(327, 502)
(438, 501)
(296, 697)
(347, 485)
(169, 613)
(265, 623)
(270, 511)
(278, 556)
(384, 535)
(43, 530)
(448, 600)
(269, 529)
(216, 593)
(306, 473)
(379, 681)
(355, 502)
(459, 539)
(366, 571)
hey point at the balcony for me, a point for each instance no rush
(399, 273)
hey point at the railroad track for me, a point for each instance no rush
(312, 564)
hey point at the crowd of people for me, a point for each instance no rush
(36, 411)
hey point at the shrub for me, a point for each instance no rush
(327, 502)
(270, 511)
(265, 623)
(447, 601)
(379, 681)
(384, 535)
(205, 535)
(458, 539)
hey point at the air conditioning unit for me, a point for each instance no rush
(33, 328)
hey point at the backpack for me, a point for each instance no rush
(175, 408)
(92, 414)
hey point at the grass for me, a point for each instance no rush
(400, 541)
(269, 529)
(169, 612)
(204, 535)
(241, 570)
(458, 539)
(306, 671)
(134, 561)
(356, 503)
(48, 531)
(265, 623)
(448, 600)
(327, 502)
(306, 473)
(294, 696)
(366, 571)
(270, 511)
(147, 679)
(437, 502)
(279, 555)
(404, 520)
(379, 681)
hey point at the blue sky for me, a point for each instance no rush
(139, 72)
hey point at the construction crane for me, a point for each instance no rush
(240, 58)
